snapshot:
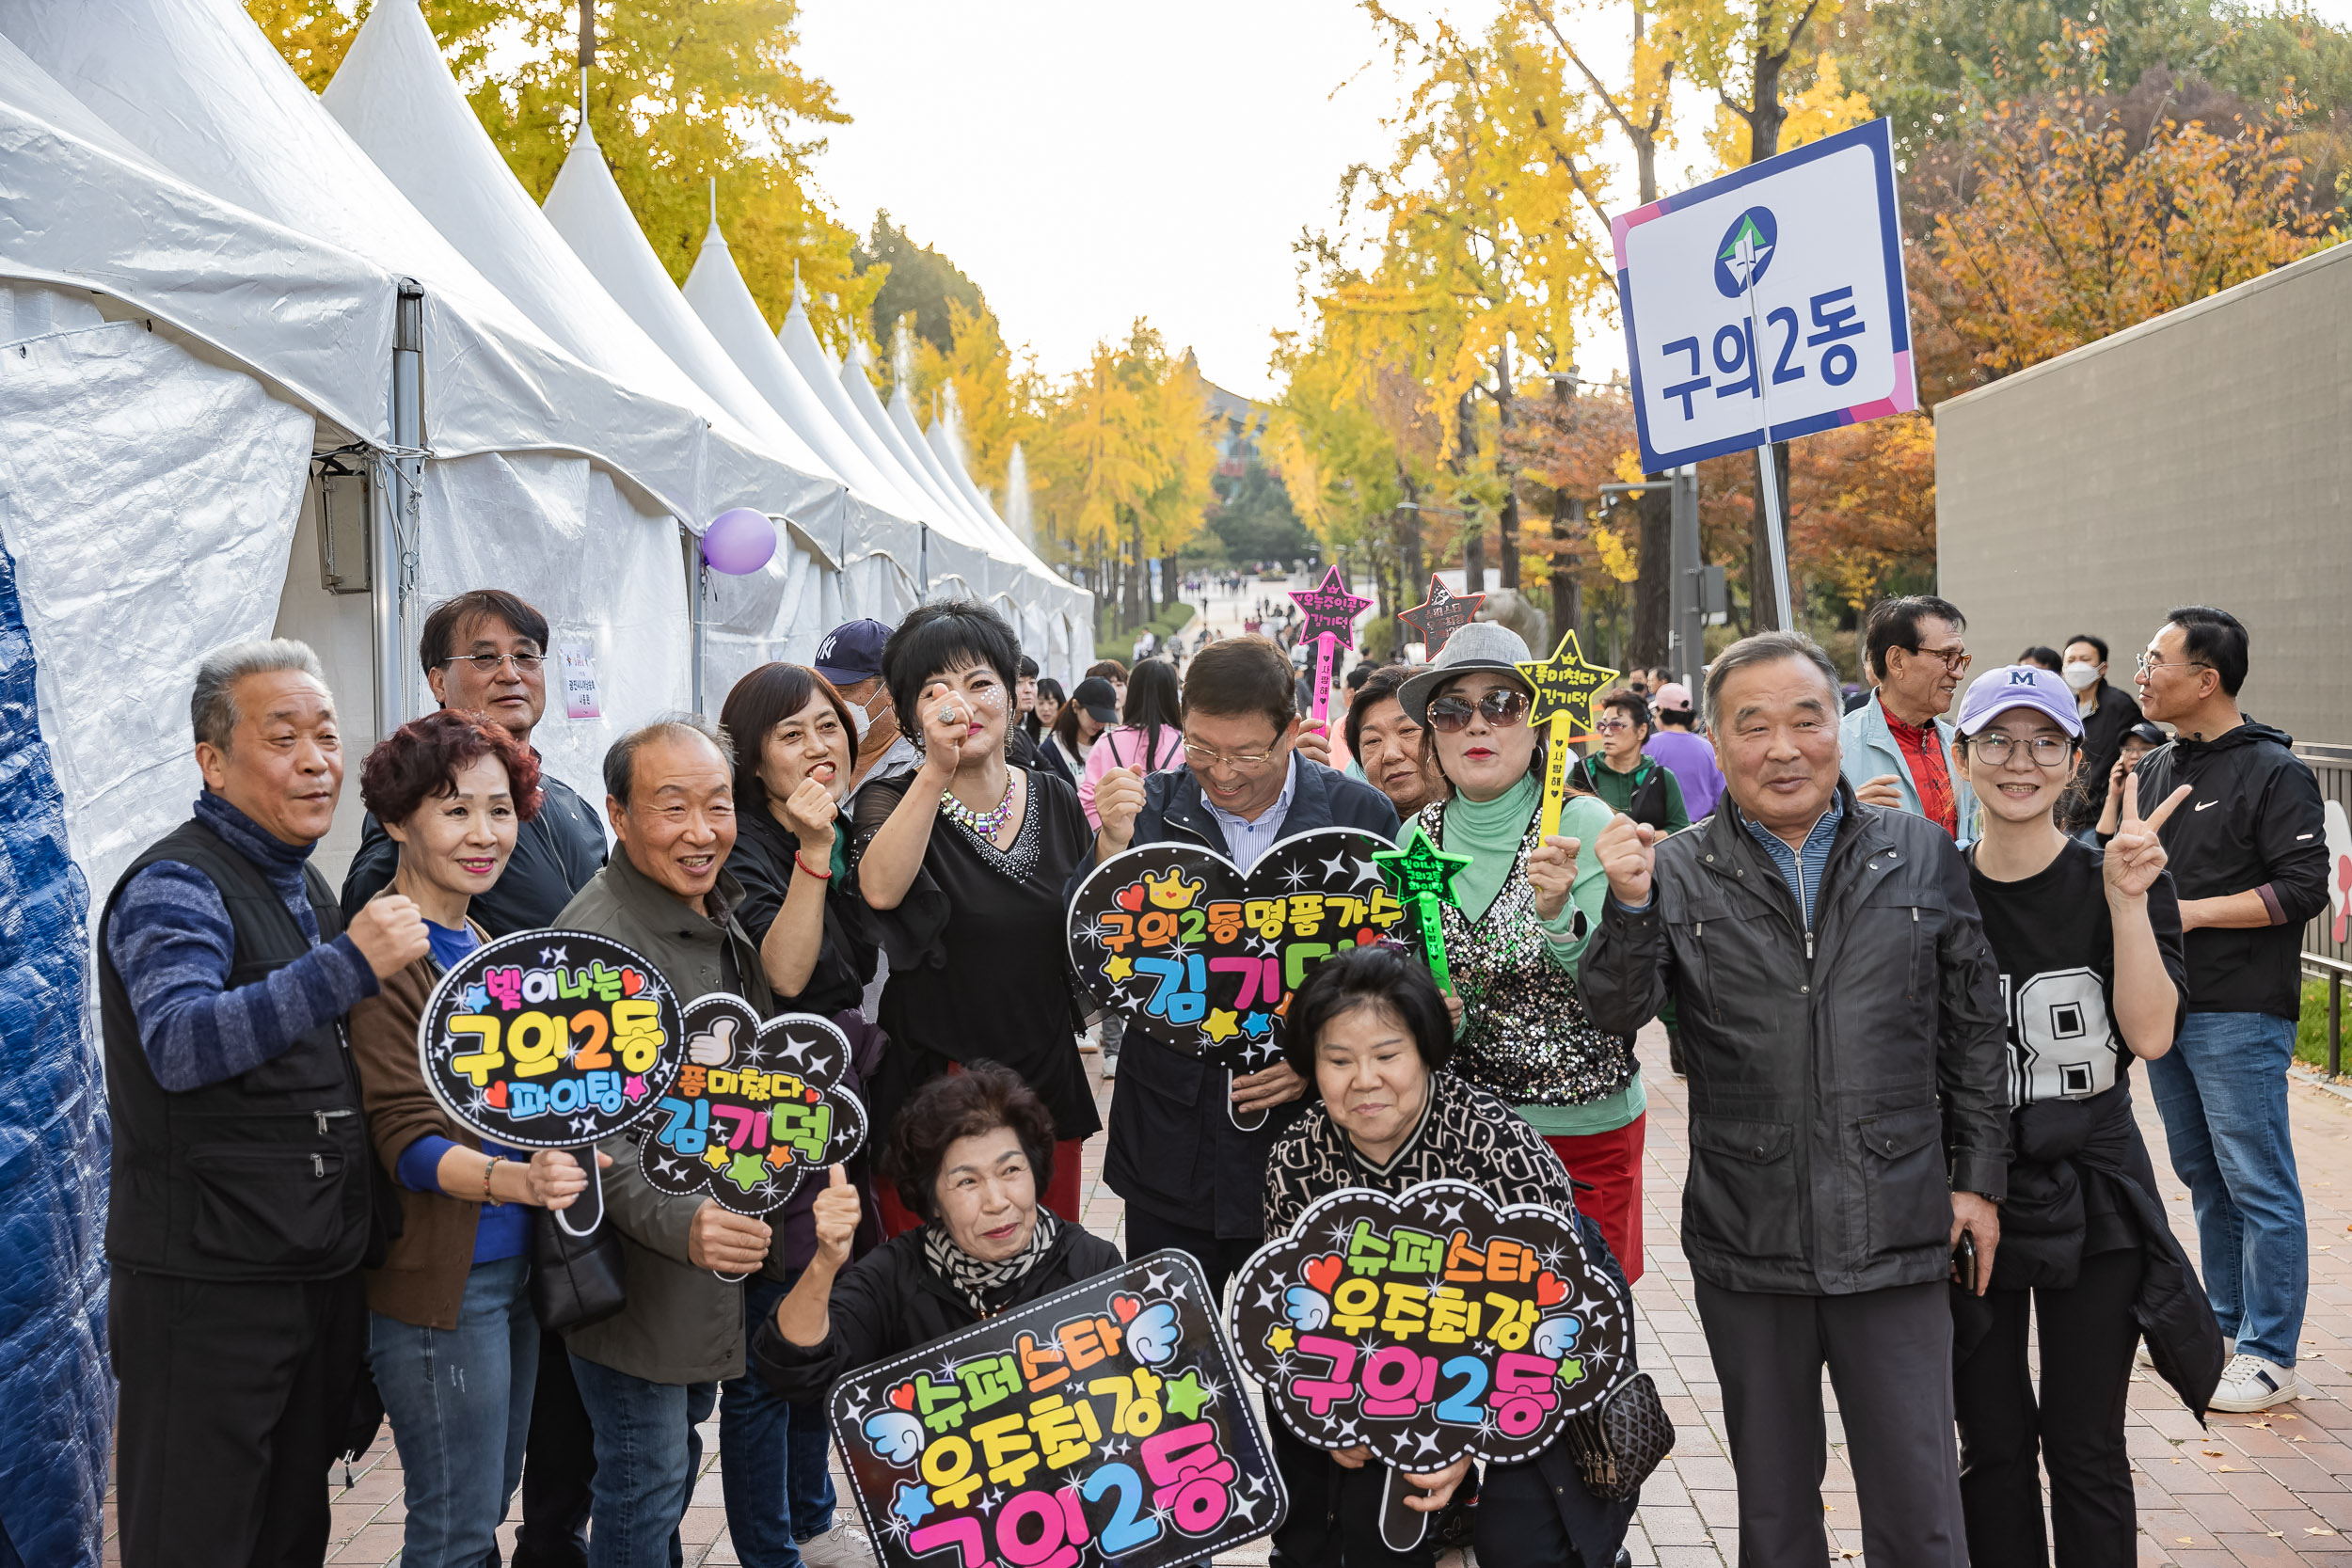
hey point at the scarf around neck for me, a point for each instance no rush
(975, 1279)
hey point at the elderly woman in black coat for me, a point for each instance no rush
(970, 1153)
(1371, 1032)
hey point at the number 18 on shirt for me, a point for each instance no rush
(1768, 303)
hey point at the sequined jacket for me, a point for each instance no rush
(1525, 1034)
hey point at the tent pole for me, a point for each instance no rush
(393, 570)
(698, 599)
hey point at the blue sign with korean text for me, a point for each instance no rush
(1768, 303)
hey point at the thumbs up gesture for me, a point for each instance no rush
(715, 1047)
(836, 1213)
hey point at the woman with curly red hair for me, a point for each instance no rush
(450, 1337)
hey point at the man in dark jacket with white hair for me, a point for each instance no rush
(1842, 1025)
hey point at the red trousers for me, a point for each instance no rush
(1610, 1165)
(1062, 1195)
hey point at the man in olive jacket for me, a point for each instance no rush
(1842, 1023)
(651, 1375)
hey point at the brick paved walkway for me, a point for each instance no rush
(2250, 1490)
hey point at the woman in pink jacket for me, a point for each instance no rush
(1152, 737)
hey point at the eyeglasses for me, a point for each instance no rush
(2148, 666)
(2047, 750)
(487, 664)
(1956, 659)
(1502, 708)
(1240, 761)
(1611, 726)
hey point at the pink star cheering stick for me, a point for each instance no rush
(1330, 613)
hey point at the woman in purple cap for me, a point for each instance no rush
(2088, 946)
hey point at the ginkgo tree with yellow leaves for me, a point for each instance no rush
(677, 96)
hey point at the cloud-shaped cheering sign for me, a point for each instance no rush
(1429, 1325)
(551, 1039)
(1204, 958)
(756, 1107)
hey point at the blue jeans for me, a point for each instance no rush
(2222, 1092)
(459, 1400)
(774, 1465)
(647, 1452)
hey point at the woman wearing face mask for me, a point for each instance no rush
(451, 1341)
(1392, 750)
(1527, 904)
(970, 1154)
(2089, 946)
(2108, 713)
(962, 866)
(1370, 1031)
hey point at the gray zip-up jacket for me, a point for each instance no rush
(1844, 1079)
(682, 1324)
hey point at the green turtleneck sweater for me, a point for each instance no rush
(1490, 832)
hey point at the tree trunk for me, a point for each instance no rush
(1410, 576)
(1171, 583)
(1568, 608)
(1510, 519)
(1473, 526)
(1653, 602)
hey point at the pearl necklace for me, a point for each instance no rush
(986, 824)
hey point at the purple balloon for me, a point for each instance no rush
(739, 542)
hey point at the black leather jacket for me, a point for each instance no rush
(1844, 1082)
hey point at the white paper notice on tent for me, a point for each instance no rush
(579, 680)
(1796, 264)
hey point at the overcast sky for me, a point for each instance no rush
(1087, 163)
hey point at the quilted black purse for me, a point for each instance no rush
(575, 1280)
(1619, 1443)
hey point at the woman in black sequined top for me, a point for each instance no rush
(961, 867)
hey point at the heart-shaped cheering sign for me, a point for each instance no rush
(1428, 1324)
(551, 1039)
(1204, 958)
(755, 1108)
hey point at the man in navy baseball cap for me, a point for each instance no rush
(851, 654)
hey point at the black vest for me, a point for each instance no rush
(263, 1176)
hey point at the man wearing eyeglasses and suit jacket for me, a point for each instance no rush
(1253, 776)
(1897, 747)
(485, 652)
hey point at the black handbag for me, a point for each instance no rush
(575, 1280)
(1618, 1443)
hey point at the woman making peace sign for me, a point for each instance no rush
(2089, 946)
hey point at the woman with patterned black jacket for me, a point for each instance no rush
(1370, 1029)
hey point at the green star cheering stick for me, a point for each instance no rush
(1421, 875)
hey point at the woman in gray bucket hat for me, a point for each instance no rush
(1528, 904)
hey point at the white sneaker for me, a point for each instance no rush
(2249, 1382)
(842, 1547)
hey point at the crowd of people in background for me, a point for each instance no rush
(1906, 949)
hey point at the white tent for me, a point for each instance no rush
(717, 292)
(580, 470)
(394, 95)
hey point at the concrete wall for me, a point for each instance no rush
(2202, 457)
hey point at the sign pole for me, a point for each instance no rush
(1558, 728)
(1768, 470)
(1324, 644)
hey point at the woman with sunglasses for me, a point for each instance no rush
(1527, 905)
